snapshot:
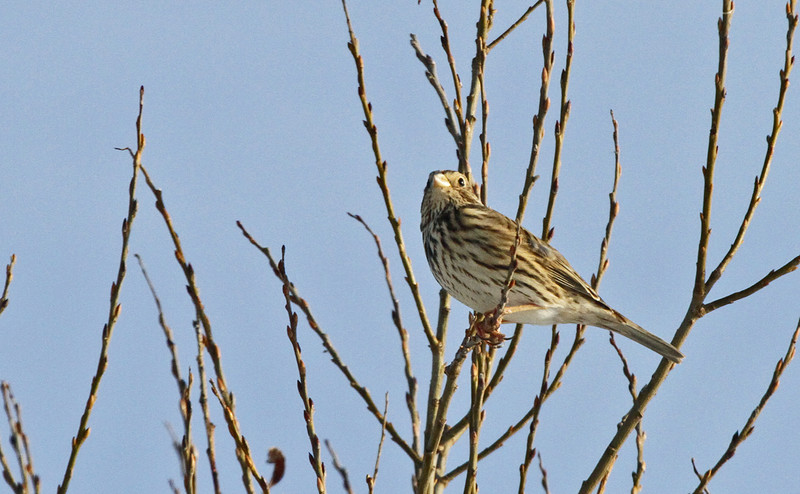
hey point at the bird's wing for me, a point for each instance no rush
(559, 269)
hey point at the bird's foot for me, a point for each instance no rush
(487, 327)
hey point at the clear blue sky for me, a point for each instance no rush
(251, 114)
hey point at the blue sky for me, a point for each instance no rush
(251, 114)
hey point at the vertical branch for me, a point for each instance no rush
(478, 63)
(302, 387)
(186, 449)
(634, 415)
(425, 478)
(561, 123)
(114, 306)
(772, 138)
(477, 388)
(613, 209)
(544, 105)
(486, 149)
(723, 26)
(209, 426)
(371, 479)
(337, 465)
(437, 370)
(372, 130)
(451, 62)
(544, 391)
(20, 445)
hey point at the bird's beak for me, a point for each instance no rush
(440, 181)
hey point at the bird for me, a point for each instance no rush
(468, 248)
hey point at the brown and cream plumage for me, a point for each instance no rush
(468, 248)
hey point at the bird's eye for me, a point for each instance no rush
(462, 182)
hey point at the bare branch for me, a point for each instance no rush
(9, 277)
(185, 447)
(451, 118)
(298, 301)
(302, 386)
(544, 474)
(762, 283)
(372, 130)
(538, 119)
(411, 396)
(209, 425)
(372, 479)
(771, 142)
(337, 465)
(451, 61)
(114, 306)
(740, 436)
(695, 309)
(561, 123)
(242, 449)
(19, 443)
(519, 21)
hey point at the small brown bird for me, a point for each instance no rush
(468, 248)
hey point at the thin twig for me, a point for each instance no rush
(186, 449)
(544, 474)
(20, 445)
(723, 25)
(374, 477)
(452, 118)
(772, 139)
(519, 21)
(740, 436)
(486, 148)
(647, 392)
(762, 283)
(640, 434)
(114, 306)
(9, 277)
(538, 119)
(246, 462)
(298, 301)
(484, 25)
(476, 413)
(372, 130)
(242, 447)
(536, 409)
(561, 124)
(411, 396)
(451, 62)
(302, 386)
(337, 465)
(209, 426)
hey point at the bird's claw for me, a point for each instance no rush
(487, 327)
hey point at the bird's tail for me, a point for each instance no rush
(620, 324)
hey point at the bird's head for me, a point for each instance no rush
(446, 188)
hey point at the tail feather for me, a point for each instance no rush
(633, 331)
